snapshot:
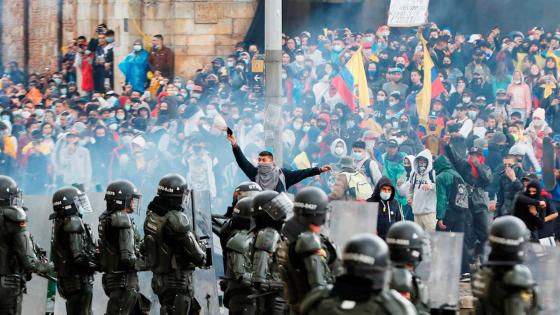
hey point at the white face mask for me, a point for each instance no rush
(385, 195)
(466, 100)
(120, 116)
(137, 47)
(339, 150)
(299, 58)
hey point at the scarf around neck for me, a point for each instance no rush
(267, 176)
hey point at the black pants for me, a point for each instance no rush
(239, 303)
(271, 304)
(455, 222)
(78, 292)
(174, 291)
(476, 232)
(122, 290)
(11, 294)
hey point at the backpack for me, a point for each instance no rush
(358, 185)
(458, 197)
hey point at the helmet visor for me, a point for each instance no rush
(279, 206)
(17, 199)
(186, 203)
(82, 203)
(135, 203)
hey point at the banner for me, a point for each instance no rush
(408, 13)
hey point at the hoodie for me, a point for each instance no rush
(423, 201)
(445, 175)
(523, 200)
(389, 210)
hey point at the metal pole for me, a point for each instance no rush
(273, 124)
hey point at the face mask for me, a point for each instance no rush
(306, 128)
(538, 122)
(395, 124)
(372, 72)
(381, 98)
(322, 126)
(403, 125)
(350, 124)
(432, 127)
(137, 47)
(393, 103)
(6, 117)
(399, 140)
(235, 116)
(339, 151)
(113, 127)
(120, 116)
(347, 55)
(466, 100)
(230, 64)
(337, 48)
(57, 81)
(83, 142)
(421, 169)
(25, 115)
(517, 81)
(485, 152)
(63, 91)
(110, 40)
(358, 156)
(284, 76)
(408, 169)
(385, 195)
(299, 58)
(297, 126)
(472, 114)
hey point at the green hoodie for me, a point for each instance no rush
(394, 169)
(445, 174)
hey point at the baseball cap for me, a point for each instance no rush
(392, 143)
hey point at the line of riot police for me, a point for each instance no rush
(274, 264)
(280, 265)
(170, 249)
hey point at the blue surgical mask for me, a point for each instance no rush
(110, 40)
(357, 156)
(485, 152)
(385, 195)
(39, 112)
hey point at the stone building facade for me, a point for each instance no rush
(34, 30)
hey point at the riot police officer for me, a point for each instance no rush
(406, 240)
(270, 210)
(504, 285)
(73, 249)
(222, 225)
(362, 289)
(119, 241)
(238, 252)
(171, 249)
(17, 256)
(307, 257)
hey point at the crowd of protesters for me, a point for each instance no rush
(484, 133)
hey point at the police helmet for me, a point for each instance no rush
(406, 241)
(122, 194)
(70, 200)
(311, 205)
(10, 194)
(367, 256)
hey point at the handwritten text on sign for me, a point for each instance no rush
(407, 13)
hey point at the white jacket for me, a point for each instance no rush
(423, 201)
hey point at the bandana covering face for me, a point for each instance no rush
(267, 176)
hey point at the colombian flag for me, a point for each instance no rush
(353, 75)
(432, 85)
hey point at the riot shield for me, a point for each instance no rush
(348, 218)
(543, 261)
(440, 268)
(204, 280)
